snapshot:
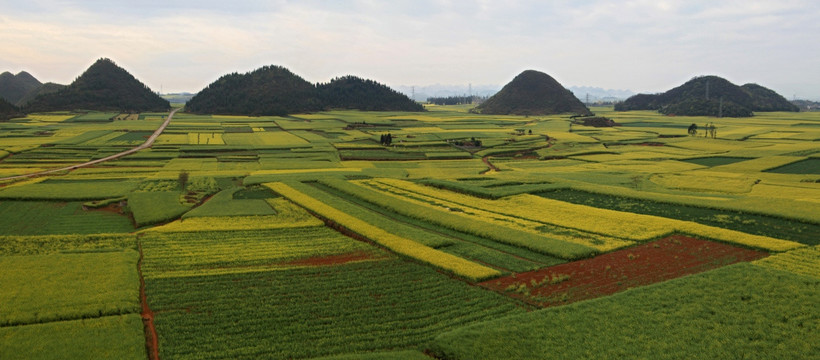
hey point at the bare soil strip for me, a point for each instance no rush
(151, 339)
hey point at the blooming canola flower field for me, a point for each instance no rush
(303, 236)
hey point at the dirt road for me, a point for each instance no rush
(144, 145)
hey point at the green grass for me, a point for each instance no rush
(155, 207)
(353, 308)
(68, 190)
(776, 227)
(740, 311)
(224, 204)
(42, 218)
(715, 160)
(109, 337)
(809, 166)
(43, 288)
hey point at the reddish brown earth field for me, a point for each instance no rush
(645, 264)
(334, 259)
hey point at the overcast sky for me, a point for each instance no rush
(644, 46)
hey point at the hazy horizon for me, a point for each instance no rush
(642, 46)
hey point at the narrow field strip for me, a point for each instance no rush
(804, 261)
(400, 245)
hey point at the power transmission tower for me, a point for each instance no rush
(707, 89)
(587, 98)
(720, 108)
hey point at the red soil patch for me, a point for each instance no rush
(490, 165)
(657, 261)
(333, 259)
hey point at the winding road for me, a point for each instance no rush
(145, 145)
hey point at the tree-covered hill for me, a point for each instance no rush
(105, 87)
(274, 90)
(532, 93)
(351, 92)
(270, 90)
(13, 88)
(710, 96)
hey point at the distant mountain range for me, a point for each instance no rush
(710, 96)
(532, 93)
(422, 93)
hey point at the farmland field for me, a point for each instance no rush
(302, 236)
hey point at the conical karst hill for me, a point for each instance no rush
(104, 87)
(533, 93)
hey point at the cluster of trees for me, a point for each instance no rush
(457, 100)
(275, 90)
(7, 110)
(105, 87)
(386, 139)
(710, 96)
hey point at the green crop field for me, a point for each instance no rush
(302, 236)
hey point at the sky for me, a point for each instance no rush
(645, 46)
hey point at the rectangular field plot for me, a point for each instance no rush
(42, 217)
(810, 166)
(356, 307)
(53, 189)
(108, 337)
(204, 253)
(75, 286)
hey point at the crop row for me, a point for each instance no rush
(463, 204)
(400, 245)
(107, 337)
(80, 285)
(600, 221)
(473, 221)
(155, 207)
(42, 217)
(358, 307)
(805, 261)
(459, 244)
